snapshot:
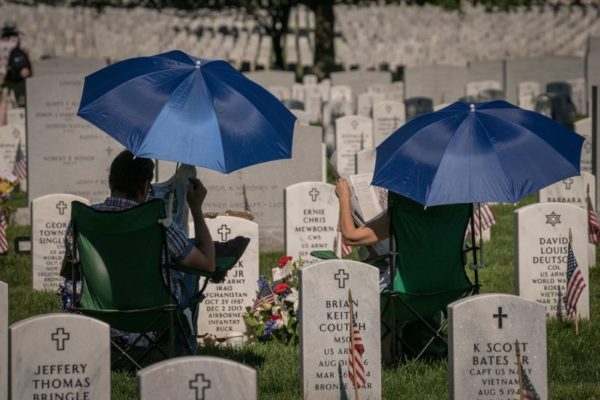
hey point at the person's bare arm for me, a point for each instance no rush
(202, 256)
(371, 233)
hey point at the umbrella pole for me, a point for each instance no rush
(474, 249)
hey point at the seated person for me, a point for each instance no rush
(129, 182)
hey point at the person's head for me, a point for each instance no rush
(130, 176)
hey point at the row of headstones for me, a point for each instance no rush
(59, 354)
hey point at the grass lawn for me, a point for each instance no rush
(573, 361)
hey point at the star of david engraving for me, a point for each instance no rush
(61, 206)
(341, 277)
(60, 337)
(553, 219)
(224, 231)
(200, 385)
(314, 194)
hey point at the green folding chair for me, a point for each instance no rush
(428, 270)
(123, 280)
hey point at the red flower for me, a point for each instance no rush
(284, 260)
(274, 317)
(282, 287)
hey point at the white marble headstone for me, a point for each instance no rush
(65, 153)
(15, 116)
(365, 102)
(388, 116)
(542, 248)
(220, 313)
(60, 356)
(325, 328)
(3, 341)
(352, 134)
(197, 378)
(341, 93)
(482, 342)
(365, 161)
(474, 88)
(311, 219)
(10, 137)
(584, 128)
(50, 216)
(527, 92)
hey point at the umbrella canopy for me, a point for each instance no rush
(468, 153)
(176, 107)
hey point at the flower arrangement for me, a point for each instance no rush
(274, 314)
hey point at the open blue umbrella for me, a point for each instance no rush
(176, 107)
(471, 153)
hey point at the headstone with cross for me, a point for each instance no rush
(325, 329)
(482, 337)
(50, 217)
(221, 311)
(264, 185)
(542, 243)
(352, 134)
(3, 341)
(197, 378)
(311, 219)
(388, 115)
(60, 356)
(571, 190)
(65, 154)
(365, 161)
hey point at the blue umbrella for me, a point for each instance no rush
(176, 107)
(471, 153)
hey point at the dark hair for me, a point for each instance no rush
(129, 174)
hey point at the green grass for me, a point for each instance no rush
(573, 367)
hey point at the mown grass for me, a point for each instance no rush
(573, 361)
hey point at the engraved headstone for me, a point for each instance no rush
(221, 311)
(360, 81)
(311, 219)
(474, 88)
(259, 188)
(365, 101)
(584, 128)
(50, 216)
(388, 116)
(341, 93)
(60, 356)
(10, 137)
(542, 250)
(197, 378)
(3, 341)
(15, 116)
(365, 161)
(325, 328)
(352, 134)
(482, 347)
(65, 153)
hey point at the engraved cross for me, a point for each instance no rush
(224, 231)
(200, 384)
(341, 277)
(500, 316)
(314, 193)
(61, 206)
(60, 337)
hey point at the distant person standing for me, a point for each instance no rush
(15, 65)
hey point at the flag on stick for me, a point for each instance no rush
(484, 219)
(20, 167)
(526, 389)
(265, 295)
(3, 234)
(356, 369)
(593, 225)
(575, 281)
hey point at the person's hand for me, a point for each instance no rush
(342, 190)
(196, 193)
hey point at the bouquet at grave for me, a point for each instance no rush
(274, 315)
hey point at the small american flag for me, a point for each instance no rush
(575, 283)
(593, 225)
(356, 368)
(529, 392)
(265, 296)
(484, 219)
(346, 248)
(3, 234)
(20, 168)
